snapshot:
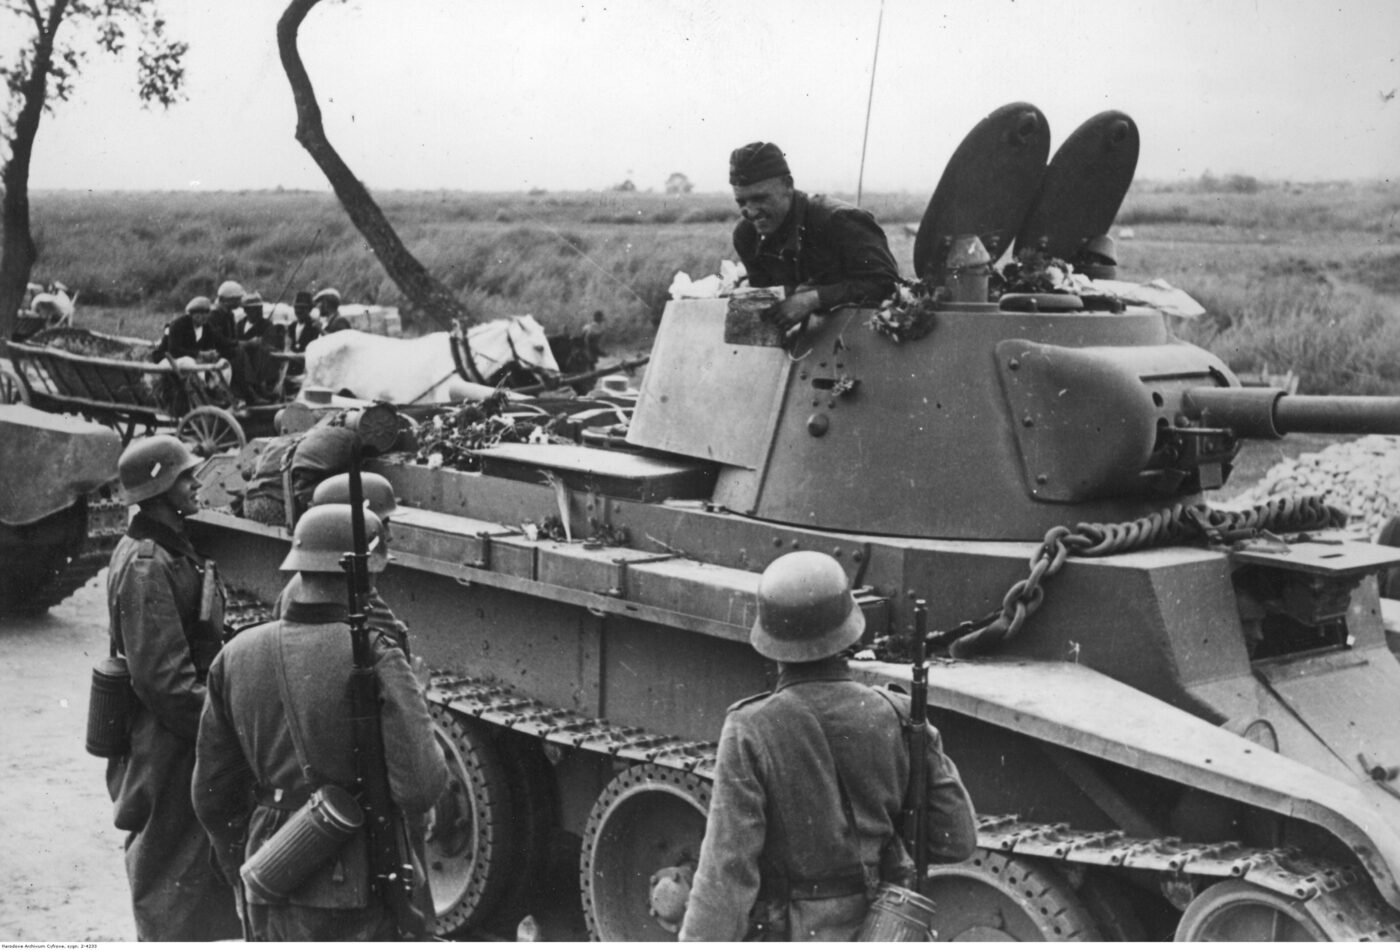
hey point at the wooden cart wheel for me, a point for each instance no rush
(11, 390)
(210, 430)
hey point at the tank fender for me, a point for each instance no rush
(1069, 705)
(61, 457)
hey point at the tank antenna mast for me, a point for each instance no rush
(869, 101)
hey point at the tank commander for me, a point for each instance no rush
(156, 586)
(328, 302)
(822, 251)
(307, 327)
(811, 778)
(264, 747)
(379, 498)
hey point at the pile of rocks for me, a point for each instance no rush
(1362, 476)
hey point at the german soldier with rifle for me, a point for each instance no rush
(316, 754)
(806, 823)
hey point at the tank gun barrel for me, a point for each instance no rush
(1270, 413)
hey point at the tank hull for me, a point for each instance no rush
(627, 657)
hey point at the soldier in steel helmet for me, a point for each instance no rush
(275, 729)
(379, 498)
(811, 778)
(822, 251)
(155, 597)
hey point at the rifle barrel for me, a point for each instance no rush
(916, 822)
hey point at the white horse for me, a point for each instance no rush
(434, 368)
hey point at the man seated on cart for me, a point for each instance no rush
(258, 338)
(192, 335)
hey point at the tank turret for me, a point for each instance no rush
(998, 424)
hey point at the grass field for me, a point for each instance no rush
(1293, 277)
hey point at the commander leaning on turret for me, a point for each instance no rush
(824, 252)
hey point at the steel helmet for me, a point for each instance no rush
(230, 288)
(149, 467)
(200, 304)
(379, 494)
(330, 293)
(805, 609)
(324, 535)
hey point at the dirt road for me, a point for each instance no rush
(61, 871)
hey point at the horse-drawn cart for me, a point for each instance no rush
(108, 379)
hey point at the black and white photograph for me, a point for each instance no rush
(699, 470)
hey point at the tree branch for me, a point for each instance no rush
(431, 302)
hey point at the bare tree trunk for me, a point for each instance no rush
(17, 250)
(431, 302)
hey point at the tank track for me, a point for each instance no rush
(106, 523)
(1341, 897)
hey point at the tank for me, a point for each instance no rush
(1174, 720)
(59, 516)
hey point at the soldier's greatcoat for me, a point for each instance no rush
(247, 754)
(153, 595)
(780, 832)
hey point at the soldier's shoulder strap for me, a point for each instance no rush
(146, 548)
(899, 701)
(749, 700)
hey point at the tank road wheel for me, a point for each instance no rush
(531, 781)
(647, 820)
(994, 897)
(1236, 910)
(209, 430)
(11, 390)
(469, 840)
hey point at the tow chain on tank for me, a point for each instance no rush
(1342, 897)
(1174, 525)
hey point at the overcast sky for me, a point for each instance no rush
(507, 95)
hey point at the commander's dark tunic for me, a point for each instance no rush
(832, 247)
